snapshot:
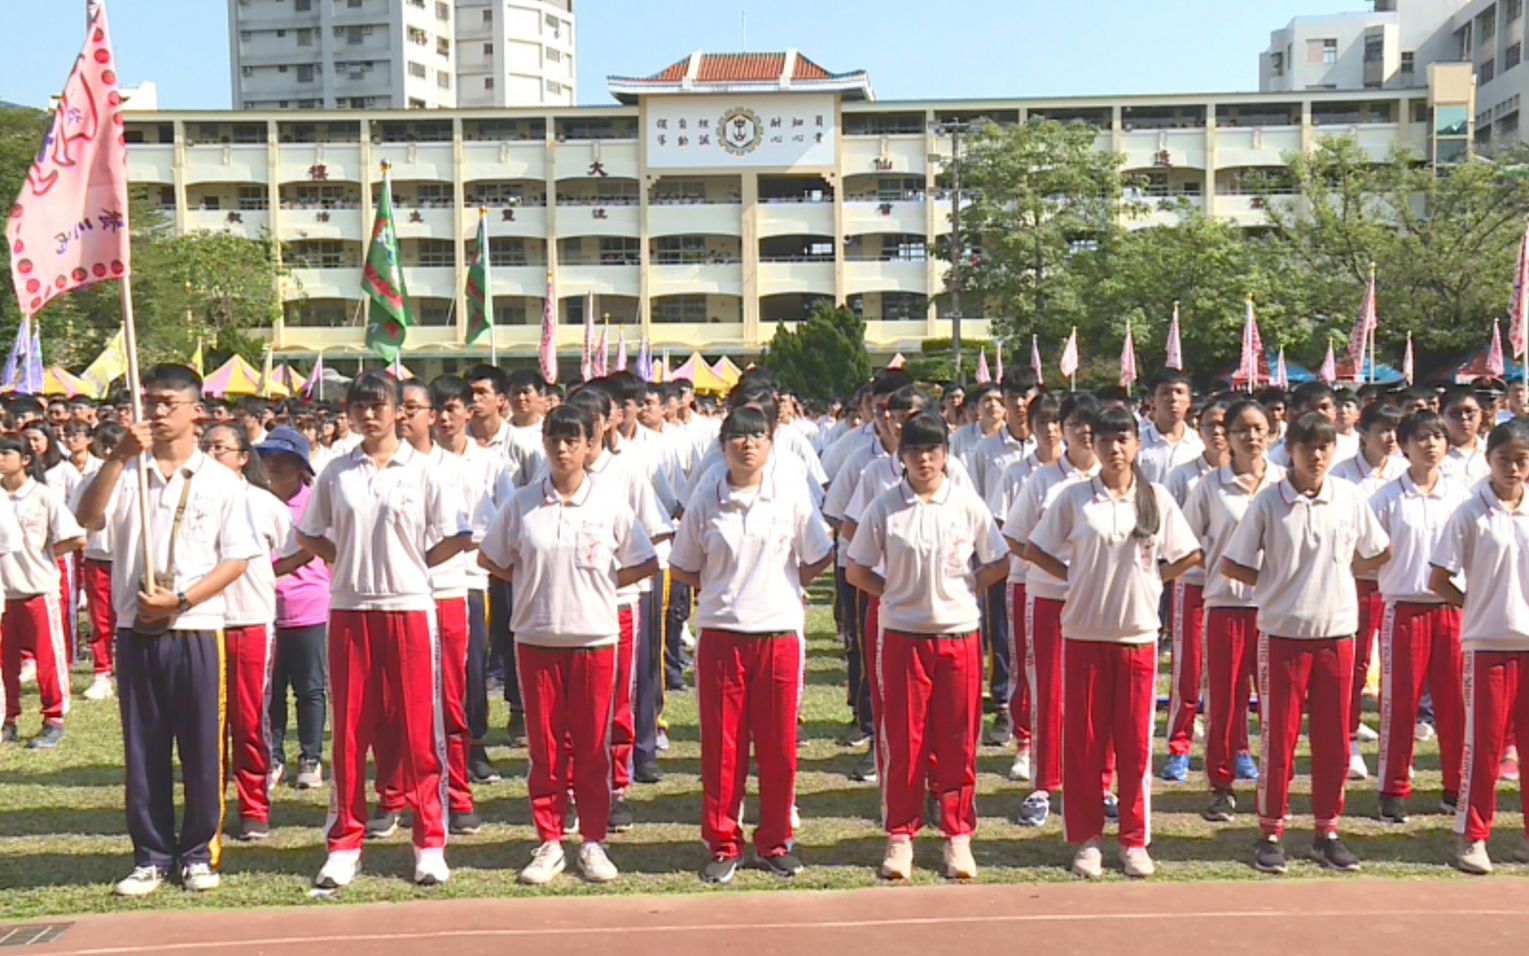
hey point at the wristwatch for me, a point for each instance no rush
(181, 604)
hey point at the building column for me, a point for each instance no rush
(1208, 191)
(366, 211)
(459, 238)
(932, 206)
(549, 166)
(749, 286)
(273, 221)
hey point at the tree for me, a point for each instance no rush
(824, 357)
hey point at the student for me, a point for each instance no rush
(1463, 417)
(1187, 627)
(41, 530)
(1273, 401)
(527, 398)
(1316, 397)
(169, 653)
(1044, 597)
(1376, 464)
(95, 575)
(567, 546)
(1167, 441)
(940, 550)
(986, 404)
(1115, 539)
(249, 634)
(382, 519)
(1215, 508)
(1420, 639)
(1299, 546)
(749, 548)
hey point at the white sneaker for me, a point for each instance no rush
(796, 819)
(1020, 768)
(430, 867)
(959, 862)
(1199, 731)
(1367, 733)
(1357, 770)
(141, 882)
(1471, 857)
(897, 864)
(1423, 731)
(687, 639)
(595, 865)
(200, 877)
(1088, 864)
(28, 673)
(1136, 862)
(100, 688)
(547, 862)
(339, 870)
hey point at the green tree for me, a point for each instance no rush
(824, 357)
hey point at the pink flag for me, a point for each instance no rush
(997, 361)
(1252, 349)
(621, 349)
(1407, 363)
(1281, 374)
(1069, 362)
(1329, 372)
(1035, 360)
(1518, 306)
(1175, 358)
(601, 358)
(548, 352)
(1128, 360)
(1364, 327)
(68, 227)
(587, 359)
(983, 376)
(1494, 353)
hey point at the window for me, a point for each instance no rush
(1314, 51)
(1329, 51)
(443, 79)
(353, 4)
(302, 6)
(553, 86)
(1486, 24)
(1408, 61)
(1515, 9)
(246, 71)
(253, 198)
(418, 37)
(354, 36)
(1277, 63)
(1375, 49)
(488, 82)
(488, 49)
(281, 34)
(282, 68)
(436, 253)
(1511, 56)
(442, 11)
(553, 56)
(305, 38)
(305, 73)
(1488, 70)
(680, 308)
(443, 46)
(488, 16)
(417, 70)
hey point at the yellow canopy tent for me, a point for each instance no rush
(700, 374)
(56, 380)
(233, 378)
(727, 371)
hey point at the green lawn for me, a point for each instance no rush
(62, 840)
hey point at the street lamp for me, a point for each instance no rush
(954, 129)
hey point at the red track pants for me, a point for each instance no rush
(1188, 657)
(568, 694)
(623, 726)
(1019, 681)
(1419, 642)
(95, 578)
(931, 690)
(1043, 669)
(747, 687)
(35, 625)
(1316, 674)
(1231, 665)
(385, 678)
(1496, 686)
(69, 601)
(451, 619)
(1372, 609)
(1109, 701)
(249, 653)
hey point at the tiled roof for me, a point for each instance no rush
(720, 69)
(808, 70)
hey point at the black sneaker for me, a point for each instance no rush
(719, 872)
(866, 771)
(1449, 803)
(1331, 853)
(647, 771)
(50, 737)
(1222, 809)
(9, 734)
(464, 824)
(1393, 809)
(381, 825)
(250, 829)
(1002, 731)
(478, 767)
(515, 730)
(571, 819)
(1111, 807)
(856, 737)
(1269, 856)
(786, 866)
(621, 819)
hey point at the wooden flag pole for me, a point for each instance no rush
(145, 461)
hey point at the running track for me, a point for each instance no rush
(1292, 918)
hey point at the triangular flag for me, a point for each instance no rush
(1364, 327)
(35, 373)
(997, 360)
(109, 366)
(197, 359)
(1252, 350)
(1495, 367)
(1035, 360)
(1407, 361)
(480, 309)
(1069, 362)
(983, 376)
(1281, 374)
(1128, 360)
(1329, 372)
(16, 361)
(314, 387)
(382, 280)
(587, 357)
(621, 348)
(1175, 358)
(1518, 306)
(547, 353)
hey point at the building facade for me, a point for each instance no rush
(515, 53)
(714, 200)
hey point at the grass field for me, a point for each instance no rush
(62, 839)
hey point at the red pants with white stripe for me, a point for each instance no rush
(568, 693)
(95, 579)
(1184, 688)
(1231, 665)
(1371, 610)
(1043, 669)
(1496, 687)
(1109, 700)
(746, 686)
(1019, 682)
(451, 620)
(69, 601)
(1315, 674)
(249, 653)
(1419, 642)
(386, 663)
(931, 695)
(35, 625)
(623, 726)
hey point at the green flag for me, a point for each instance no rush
(479, 309)
(382, 281)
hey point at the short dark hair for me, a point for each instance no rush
(448, 387)
(1312, 428)
(592, 398)
(1017, 380)
(745, 420)
(492, 374)
(1386, 416)
(374, 385)
(568, 420)
(1422, 425)
(1168, 376)
(524, 377)
(1458, 395)
(889, 380)
(1514, 430)
(1310, 394)
(924, 430)
(907, 399)
(173, 378)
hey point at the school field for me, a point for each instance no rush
(62, 841)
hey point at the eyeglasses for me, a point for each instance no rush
(757, 438)
(154, 406)
(409, 408)
(218, 448)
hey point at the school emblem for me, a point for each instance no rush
(742, 131)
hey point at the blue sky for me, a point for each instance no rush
(913, 49)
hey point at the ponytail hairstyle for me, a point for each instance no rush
(1115, 421)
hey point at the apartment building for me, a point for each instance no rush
(515, 53)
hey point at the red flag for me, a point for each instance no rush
(1128, 360)
(1252, 350)
(1495, 366)
(983, 375)
(1035, 360)
(68, 227)
(601, 359)
(1518, 307)
(1175, 358)
(548, 351)
(1407, 366)
(1069, 362)
(587, 360)
(1329, 372)
(1364, 327)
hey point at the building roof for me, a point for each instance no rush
(742, 73)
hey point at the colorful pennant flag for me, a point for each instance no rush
(1175, 358)
(1329, 371)
(313, 389)
(602, 356)
(1407, 361)
(547, 353)
(983, 375)
(1252, 349)
(109, 366)
(1128, 360)
(1495, 365)
(1364, 327)
(997, 360)
(621, 348)
(1035, 360)
(382, 281)
(1069, 362)
(1281, 373)
(1518, 305)
(33, 379)
(16, 361)
(480, 307)
(645, 360)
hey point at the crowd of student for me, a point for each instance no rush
(395, 560)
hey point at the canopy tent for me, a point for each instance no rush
(727, 371)
(1475, 366)
(56, 380)
(700, 374)
(898, 361)
(285, 382)
(400, 371)
(233, 378)
(1384, 373)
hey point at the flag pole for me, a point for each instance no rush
(1373, 310)
(135, 394)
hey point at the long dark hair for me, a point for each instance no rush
(1115, 420)
(254, 468)
(51, 456)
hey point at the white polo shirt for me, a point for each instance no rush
(215, 528)
(927, 548)
(564, 556)
(1368, 480)
(748, 545)
(1214, 509)
(965, 438)
(523, 447)
(1159, 456)
(1029, 507)
(382, 521)
(30, 567)
(787, 467)
(1347, 447)
(1115, 586)
(1415, 521)
(251, 599)
(621, 477)
(1467, 467)
(1488, 543)
(97, 543)
(1306, 548)
(1000, 497)
(1182, 480)
(786, 440)
(842, 488)
(835, 455)
(992, 456)
(484, 483)
(66, 479)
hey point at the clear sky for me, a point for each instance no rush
(913, 49)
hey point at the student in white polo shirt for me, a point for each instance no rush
(567, 544)
(1214, 509)
(1299, 546)
(1115, 539)
(940, 550)
(382, 519)
(987, 401)
(1316, 397)
(1167, 438)
(749, 548)
(1420, 636)
(1466, 462)
(1487, 543)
